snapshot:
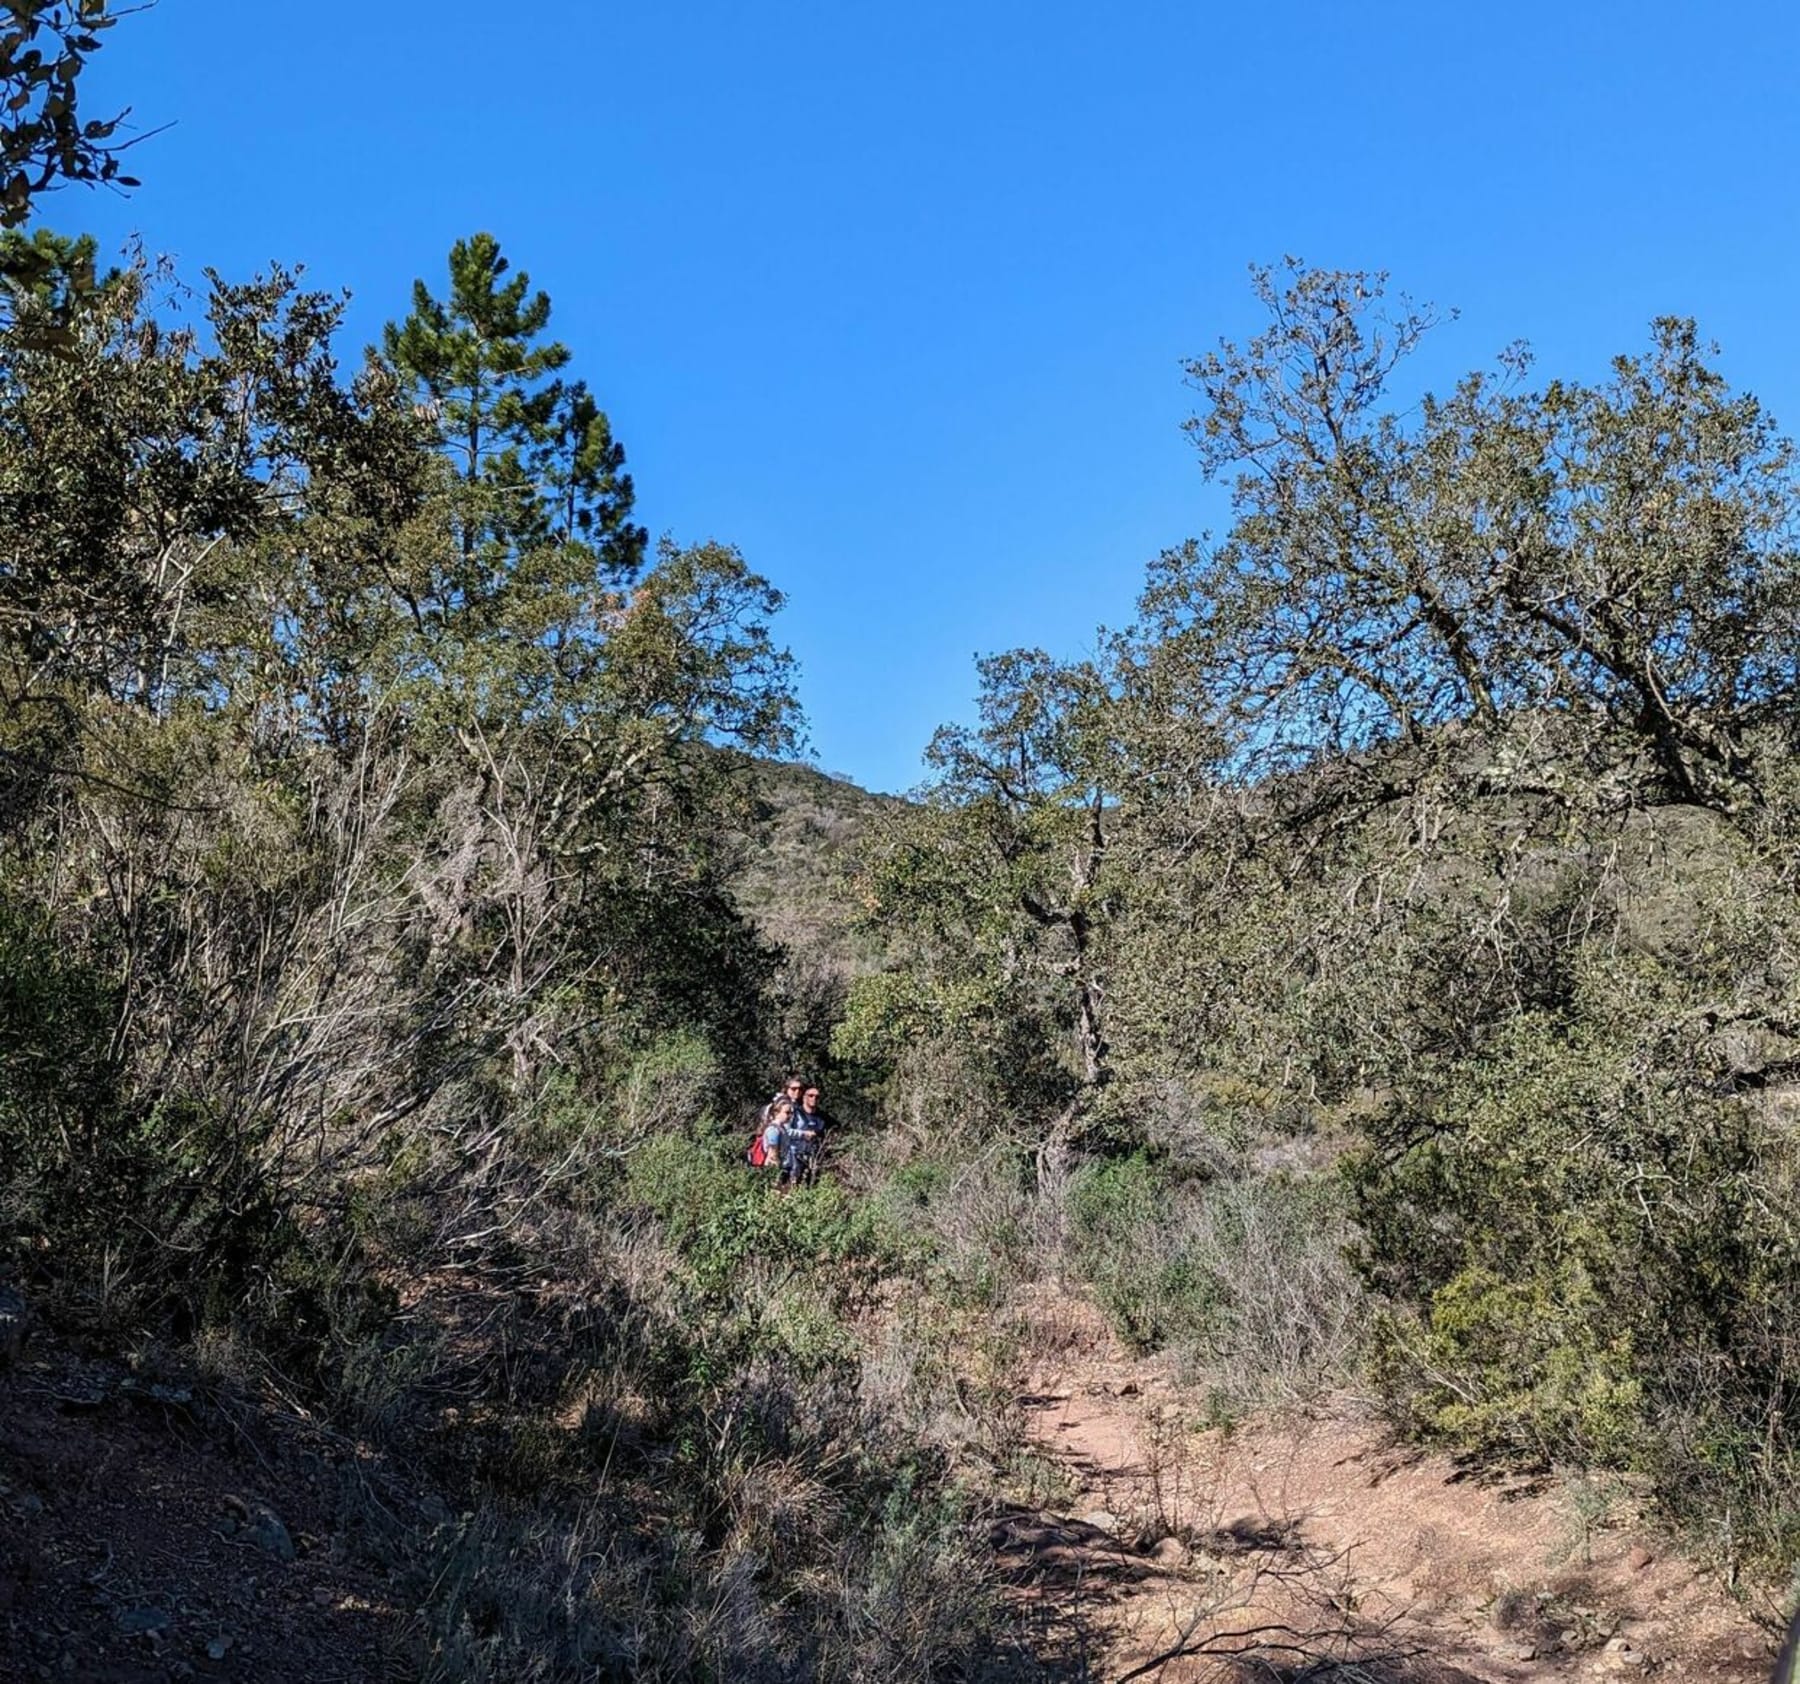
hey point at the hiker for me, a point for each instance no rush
(769, 1147)
(806, 1137)
(790, 1090)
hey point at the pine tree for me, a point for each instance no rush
(581, 467)
(49, 276)
(480, 364)
(535, 455)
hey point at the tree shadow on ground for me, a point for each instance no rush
(1259, 1669)
(1050, 1554)
(1066, 1576)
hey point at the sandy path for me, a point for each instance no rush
(1341, 1557)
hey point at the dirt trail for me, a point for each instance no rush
(1313, 1549)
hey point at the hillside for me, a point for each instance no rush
(795, 879)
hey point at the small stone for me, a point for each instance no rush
(143, 1622)
(30, 1506)
(263, 1527)
(218, 1649)
(1169, 1552)
(172, 1397)
(1637, 1558)
(1516, 1651)
(324, 1595)
(270, 1535)
(1101, 1520)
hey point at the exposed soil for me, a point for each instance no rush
(1314, 1548)
(148, 1537)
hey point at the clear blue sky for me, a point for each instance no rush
(895, 298)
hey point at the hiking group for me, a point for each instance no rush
(790, 1134)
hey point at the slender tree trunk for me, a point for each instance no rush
(1089, 1038)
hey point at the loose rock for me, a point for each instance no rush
(263, 1527)
(1621, 1655)
(143, 1622)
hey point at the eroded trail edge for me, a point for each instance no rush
(1312, 1548)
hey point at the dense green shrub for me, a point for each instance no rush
(1593, 1238)
(1122, 1214)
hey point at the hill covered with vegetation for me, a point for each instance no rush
(806, 834)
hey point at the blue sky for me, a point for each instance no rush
(896, 299)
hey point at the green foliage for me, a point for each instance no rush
(1595, 1235)
(1520, 1366)
(370, 968)
(318, 849)
(795, 882)
(46, 141)
(995, 896)
(968, 1222)
(475, 359)
(377, 947)
(740, 1235)
(1243, 1278)
(1150, 1296)
(1586, 591)
(159, 1206)
(1440, 817)
(46, 278)
(542, 482)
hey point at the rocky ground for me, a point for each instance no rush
(147, 1536)
(1312, 1548)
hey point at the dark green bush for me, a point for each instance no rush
(1122, 1215)
(1591, 1240)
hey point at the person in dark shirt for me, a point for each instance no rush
(806, 1136)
